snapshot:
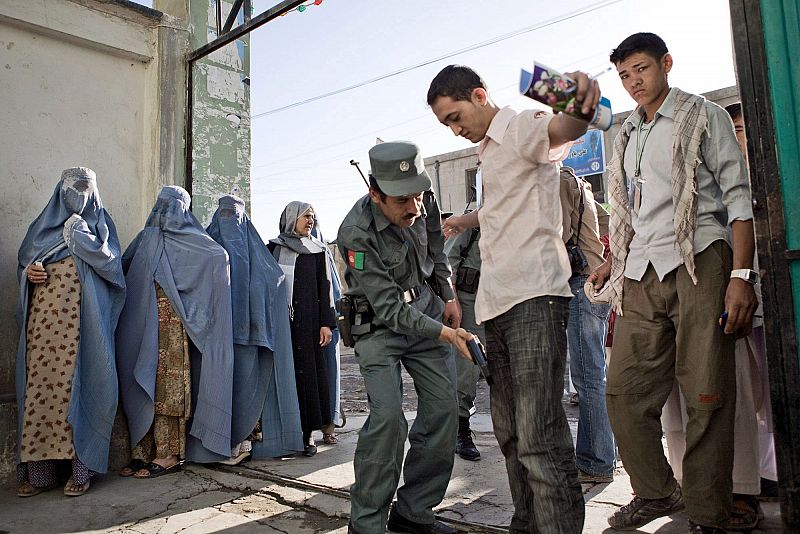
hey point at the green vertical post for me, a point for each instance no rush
(781, 22)
(766, 41)
(220, 129)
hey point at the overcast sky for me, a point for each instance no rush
(303, 153)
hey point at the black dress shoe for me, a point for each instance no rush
(399, 524)
(310, 450)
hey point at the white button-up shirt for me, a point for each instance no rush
(522, 253)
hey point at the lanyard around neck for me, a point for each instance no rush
(640, 152)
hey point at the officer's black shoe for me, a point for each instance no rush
(465, 447)
(399, 524)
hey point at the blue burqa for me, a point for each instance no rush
(174, 251)
(331, 352)
(263, 372)
(75, 223)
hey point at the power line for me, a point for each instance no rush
(538, 26)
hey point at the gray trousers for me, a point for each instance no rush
(527, 351)
(467, 373)
(381, 441)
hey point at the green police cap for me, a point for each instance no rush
(398, 168)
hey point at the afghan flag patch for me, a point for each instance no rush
(355, 259)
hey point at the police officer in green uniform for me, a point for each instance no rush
(465, 261)
(393, 245)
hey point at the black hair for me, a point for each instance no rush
(647, 43)
(734, 110)
(373, 184)
(455, 81)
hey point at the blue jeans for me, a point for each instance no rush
(586, 338)
(526, 350)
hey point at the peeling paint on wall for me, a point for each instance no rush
(221, 117)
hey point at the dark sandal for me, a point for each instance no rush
(329, 439)
(131, 469)
(26, 489)
(745, 515)
(154, 470)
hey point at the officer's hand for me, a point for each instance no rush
(325, 336)
(458, 338)
(452, 314)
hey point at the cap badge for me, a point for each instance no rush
(404, 166)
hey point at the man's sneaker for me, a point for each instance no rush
(694, 528)
(588, 478)
(465, 447)
(398, 523)
(639, 511)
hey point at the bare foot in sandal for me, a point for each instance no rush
(131, 469)
(76, 490)
(26, 489)
(329, 439)
(159, 466)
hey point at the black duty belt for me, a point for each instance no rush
(410, 295)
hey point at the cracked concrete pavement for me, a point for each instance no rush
(301, 495)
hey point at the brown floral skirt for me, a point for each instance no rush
(52, 336)
(173, 399)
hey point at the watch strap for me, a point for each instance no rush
(748, 275)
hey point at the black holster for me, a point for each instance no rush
(344, 319)
(354, 318)
(467, 279)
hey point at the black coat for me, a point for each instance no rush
(312, 309)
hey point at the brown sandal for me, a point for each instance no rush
(329, 439)
(26, 489)
(71, 489)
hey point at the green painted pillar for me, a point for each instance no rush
(766, 42)
(781, 20)
(220, 113)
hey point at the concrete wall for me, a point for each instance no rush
(91, 83)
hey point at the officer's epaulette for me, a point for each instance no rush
(365, 218)
(361, 219)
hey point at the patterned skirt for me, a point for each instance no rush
(53, 333)
(173, 400)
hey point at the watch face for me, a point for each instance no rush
(752, 277)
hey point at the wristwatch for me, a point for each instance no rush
(748, 275)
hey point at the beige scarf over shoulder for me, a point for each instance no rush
(690, 125)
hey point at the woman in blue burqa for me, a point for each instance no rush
(303, 261)
(266, 416)
(71, 293)
(175, 342)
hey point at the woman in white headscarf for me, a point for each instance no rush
(302, 258)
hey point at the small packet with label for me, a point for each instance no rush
(557, 90)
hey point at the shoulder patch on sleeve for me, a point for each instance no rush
(355, 260)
